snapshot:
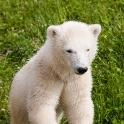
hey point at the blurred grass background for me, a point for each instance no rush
(23, 27)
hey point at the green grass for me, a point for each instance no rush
(23, 27)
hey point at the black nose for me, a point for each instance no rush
(82, 70)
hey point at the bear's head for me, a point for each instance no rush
(74, 44)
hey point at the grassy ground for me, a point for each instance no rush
(22, 32)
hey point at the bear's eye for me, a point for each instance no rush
(69, 51)
(88, 49)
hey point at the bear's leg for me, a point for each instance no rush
(19, 120)
(42, 101)
(59, 114)
(76, 102)
(18, 114)
(45, 114)
(80, 113)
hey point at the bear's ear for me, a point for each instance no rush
(95, 29)
(53, 31)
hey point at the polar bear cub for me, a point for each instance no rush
(58, 78)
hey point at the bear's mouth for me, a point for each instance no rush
(79, 73)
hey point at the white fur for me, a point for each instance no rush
(48, 83)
